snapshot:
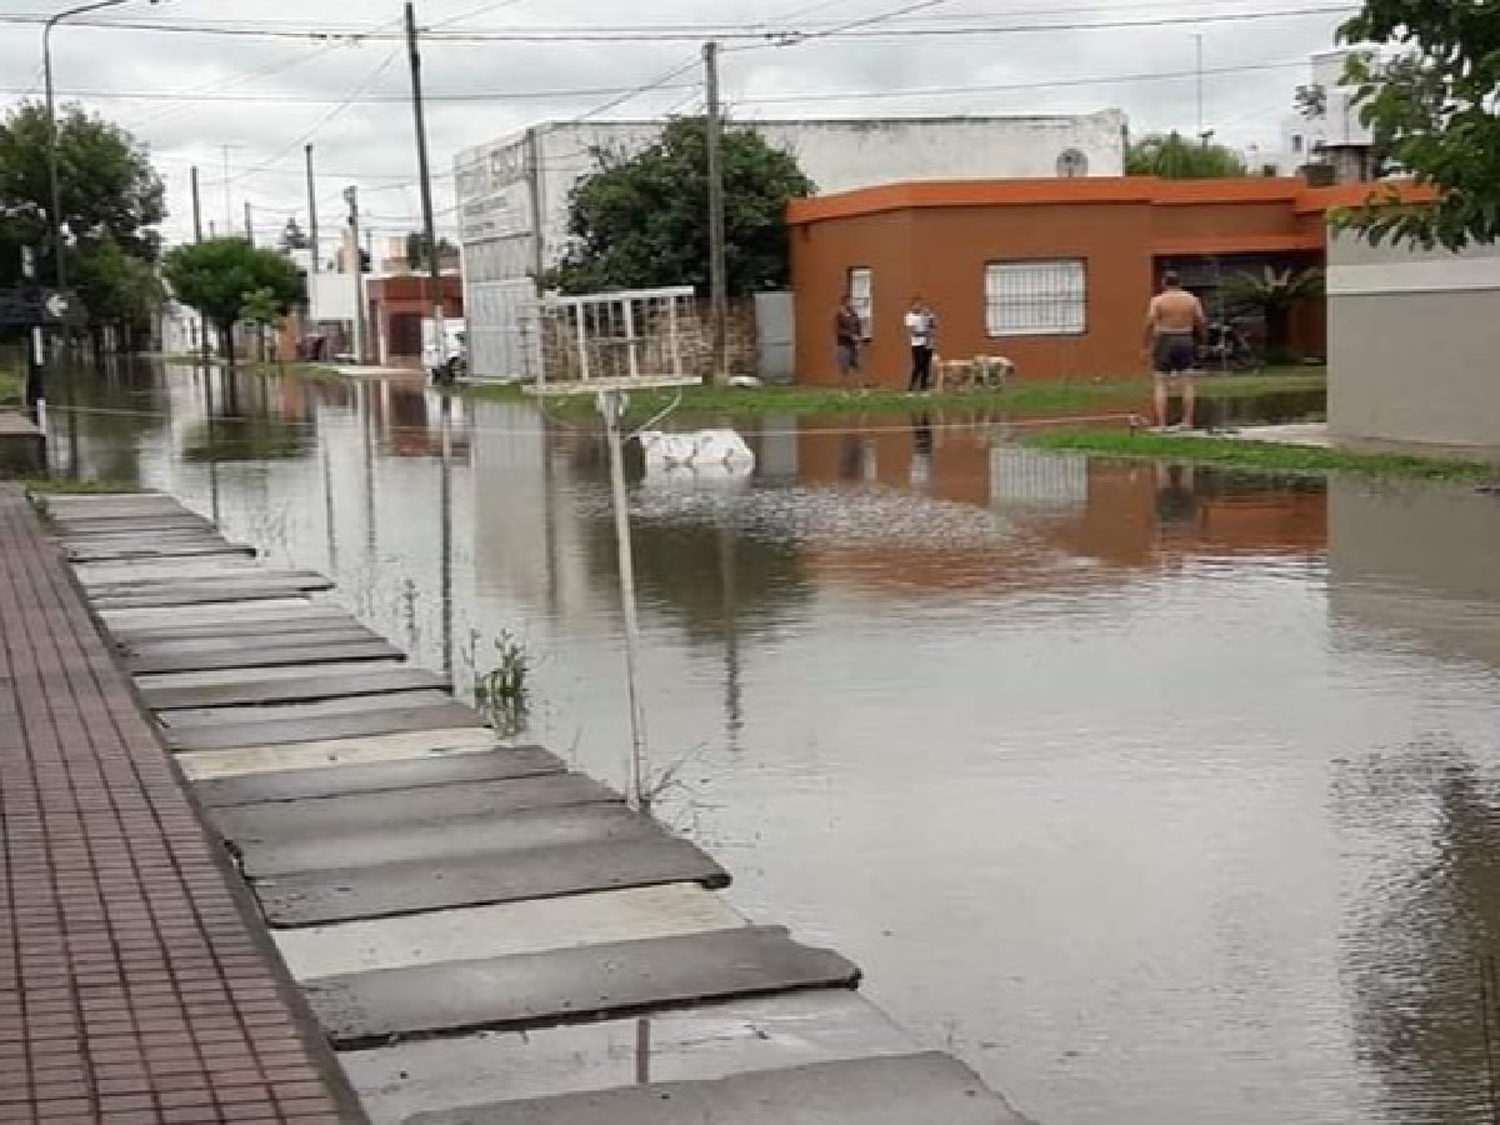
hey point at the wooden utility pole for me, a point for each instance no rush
(357, 266)
(250, 222)
(717, 267)
(424, 175)
(312, 216)
(198, 237)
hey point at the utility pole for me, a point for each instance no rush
(424, 173)
(228, 197)
(312, 215)
(198, 237)
(717, 267)
(250, 222)
(1202, 136)
(356, 265)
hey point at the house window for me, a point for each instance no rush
(1045, 298)
(1297, 143)
(862, 297)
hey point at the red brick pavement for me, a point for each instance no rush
(135, 985)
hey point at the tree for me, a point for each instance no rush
(1431, 108)
(261, 309)
(218, 276)
(109, 189)
(416, 249)
(642, 221)
(1274, 295)
(121, 292)
(1174, 157)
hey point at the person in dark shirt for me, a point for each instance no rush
(848, 335)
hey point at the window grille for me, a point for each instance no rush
(1047, 298)
(862, 297)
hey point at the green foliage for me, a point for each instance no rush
(112, 201)
(1275, 295)
(502, 692)
(117, 288)
(416, 249)
(220, 276)
(12, 388)
(1293, 459)
(642, 221)
(1431, 107)
(1175, 157)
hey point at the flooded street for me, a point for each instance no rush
(1156, 794)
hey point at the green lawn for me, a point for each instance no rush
(1028, 398)
(1260, 455)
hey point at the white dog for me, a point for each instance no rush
(706, 449)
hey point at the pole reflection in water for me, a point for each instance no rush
(445, 538)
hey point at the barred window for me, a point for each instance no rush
(862, 297)
(1043, 298)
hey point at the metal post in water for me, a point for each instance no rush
(612, 406)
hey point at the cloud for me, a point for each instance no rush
(370, 143)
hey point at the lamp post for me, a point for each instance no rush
(55, 184)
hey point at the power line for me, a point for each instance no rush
(647, 34)
(774, 99)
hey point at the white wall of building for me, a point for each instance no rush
(1340, 125)
(513, 195)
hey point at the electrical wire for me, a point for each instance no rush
(647, 34)
(770, 99)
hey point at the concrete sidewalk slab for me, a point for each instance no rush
(571, 985)
(476, 880)
(505, 931)
(687, 1044)
(882, 1091)
(379, 777)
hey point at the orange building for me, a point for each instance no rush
(1054, 275)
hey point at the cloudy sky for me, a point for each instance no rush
(272, 80)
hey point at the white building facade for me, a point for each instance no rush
(1333, 126)
(513, 195)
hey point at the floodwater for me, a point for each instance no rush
(1158, 795)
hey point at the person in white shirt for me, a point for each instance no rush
(921, 327)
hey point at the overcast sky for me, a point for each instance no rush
(207, 81)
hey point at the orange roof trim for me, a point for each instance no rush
(1098, 189)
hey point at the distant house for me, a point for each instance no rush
(1053, 274)
(513, 194)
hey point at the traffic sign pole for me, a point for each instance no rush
(36, 352)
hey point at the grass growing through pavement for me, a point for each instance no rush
(1034, 398)
(1260, 455)
(44, 486)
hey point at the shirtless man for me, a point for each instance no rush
(1173, 323)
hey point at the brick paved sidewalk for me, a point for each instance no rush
(134, 985)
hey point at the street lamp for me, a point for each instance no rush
(52, 157)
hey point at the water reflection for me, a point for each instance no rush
(1159, 793)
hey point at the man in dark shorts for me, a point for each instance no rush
(1173, 323)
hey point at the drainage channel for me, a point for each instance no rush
(483, 934)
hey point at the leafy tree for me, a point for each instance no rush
(262, 309)
(219, 276)
(122, 292)
(1175, 157)
(416, 249)
(109, 189)
(642, 221)
(1274, 295)
(1431, 107)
